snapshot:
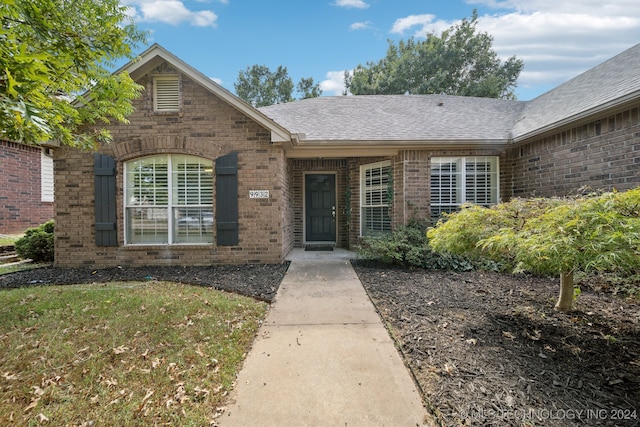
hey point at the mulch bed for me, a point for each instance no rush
(257, 281)
(488, 349)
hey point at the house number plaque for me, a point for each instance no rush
(258, 194)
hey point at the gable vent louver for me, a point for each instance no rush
(167, 93)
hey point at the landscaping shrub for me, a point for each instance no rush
(37, 243)
(597, 232)
(408, 246)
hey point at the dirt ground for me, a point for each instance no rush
(489, 350)
(486, 349)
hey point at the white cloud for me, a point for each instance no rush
(358, 4)
(217, 80)
(423, 25)
(334, 84)
(360, 26)
(557, 40)
(172, 12)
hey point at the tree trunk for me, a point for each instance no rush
(565, 300)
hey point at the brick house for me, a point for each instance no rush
(26, 186)
(201, 177)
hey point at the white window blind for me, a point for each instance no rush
(166, 93)
(459, 180)
(375, 180)
(169, 200)
(46, 177)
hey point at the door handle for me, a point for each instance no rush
(333, 211)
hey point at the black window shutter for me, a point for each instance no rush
(104, 171)
(227, 199)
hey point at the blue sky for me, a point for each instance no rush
(557, 39)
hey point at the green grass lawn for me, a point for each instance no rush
(135, 353)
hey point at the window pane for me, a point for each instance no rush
(376, 220)
(480, 180)
(147, 225)
(193, 225)
(147, 182)
(192, 181)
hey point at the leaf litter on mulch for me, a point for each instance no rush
(260, 281)
(488, 349)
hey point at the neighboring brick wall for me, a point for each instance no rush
(207, 127)
(603, 154)
(21, 204)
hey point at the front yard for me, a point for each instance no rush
(489, 350)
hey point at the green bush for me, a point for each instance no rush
(408, 246)
(37, 243)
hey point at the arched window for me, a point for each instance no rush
(169, 200)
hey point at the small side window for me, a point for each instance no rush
(166, 93)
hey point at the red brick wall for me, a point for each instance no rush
(205, 126)
(21, 205)
(602, 154)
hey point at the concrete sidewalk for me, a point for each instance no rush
(324, 358)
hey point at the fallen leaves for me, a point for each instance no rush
(9, 376)
(144, 400)
(82, 359)
(120, 350)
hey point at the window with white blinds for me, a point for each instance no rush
(169, 200)
(459, 180)
(166, 93)
(375, 180)
(46, 176)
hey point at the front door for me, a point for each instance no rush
(320, 205)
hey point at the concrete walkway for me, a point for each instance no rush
(323, 357)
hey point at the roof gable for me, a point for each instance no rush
(156, 54)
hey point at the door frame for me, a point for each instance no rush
(304, 207)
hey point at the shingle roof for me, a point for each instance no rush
(596, 89)
(397, 118)
(435, 118)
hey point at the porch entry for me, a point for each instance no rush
(320, 208)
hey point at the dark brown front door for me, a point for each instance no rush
(320, 205)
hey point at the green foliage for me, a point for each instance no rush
(550, 236)
(37, 243)
(600, 233)
(461, 232)
(459, 62)
(51, 53)
(259, 86)
(307, 89)
(408, 247)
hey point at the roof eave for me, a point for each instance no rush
(586, 115)
(358, 148)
